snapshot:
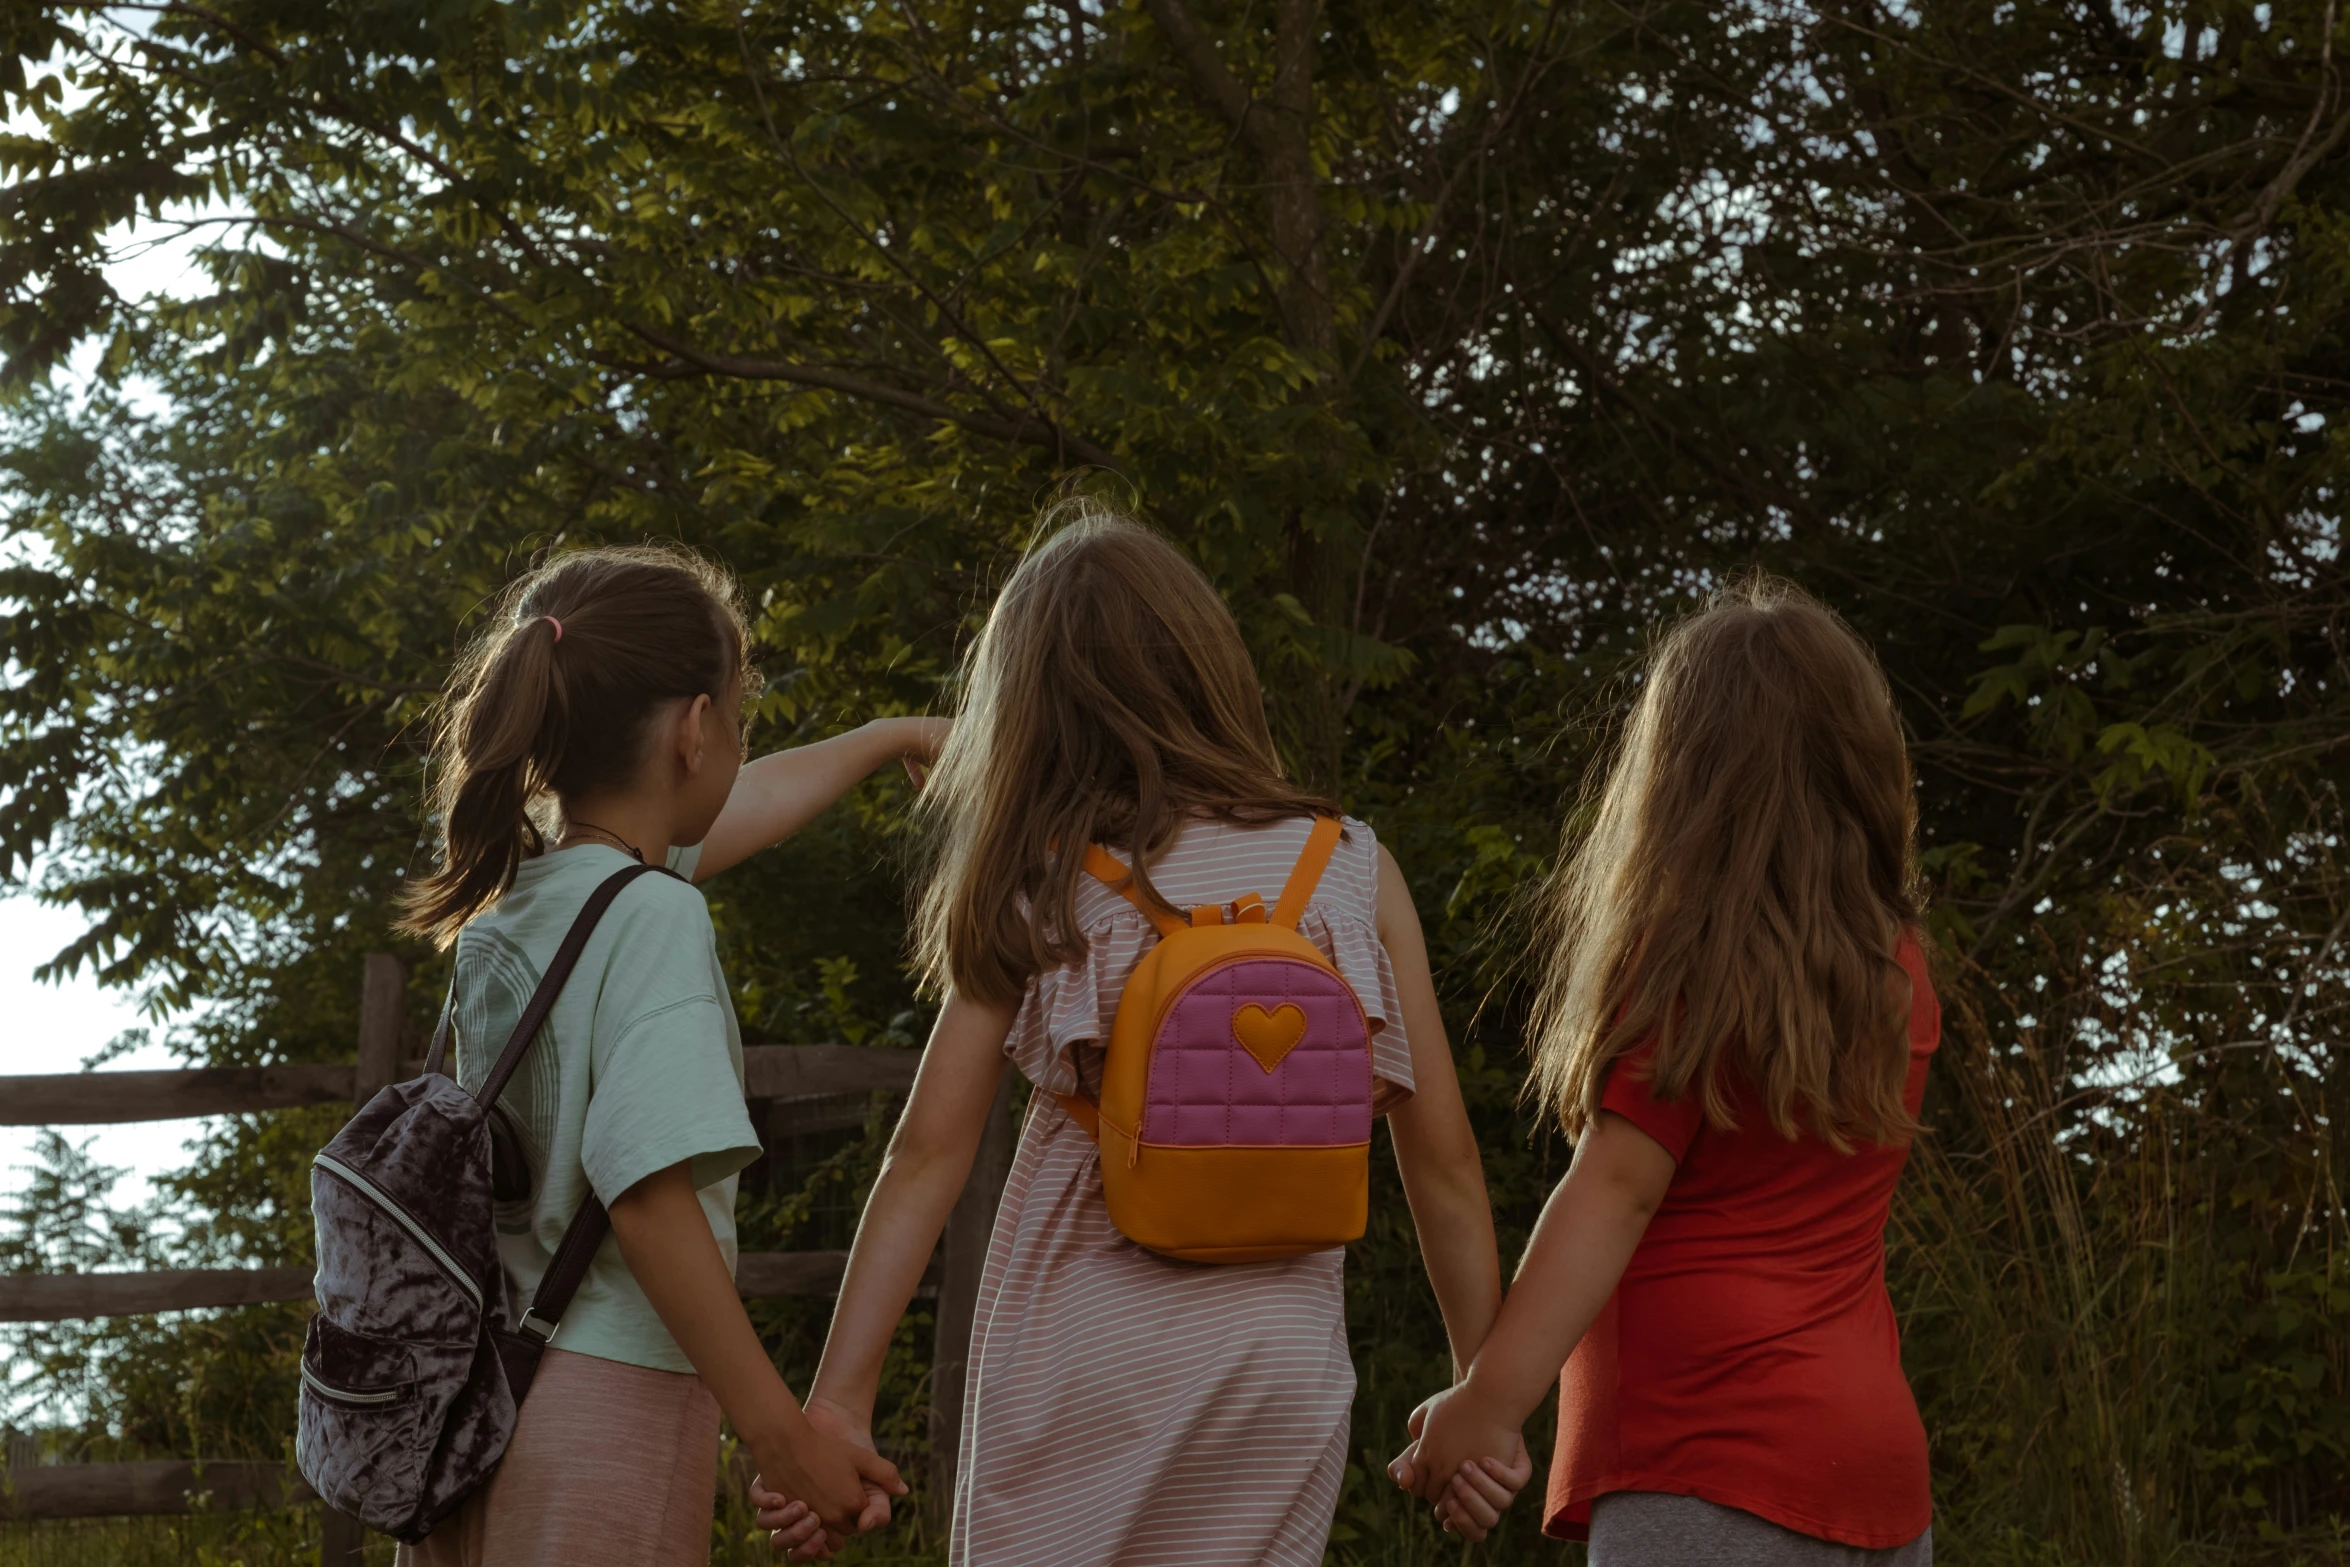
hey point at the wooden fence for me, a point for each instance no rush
(780, 1074)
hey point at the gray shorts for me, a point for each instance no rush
(1654, 1529)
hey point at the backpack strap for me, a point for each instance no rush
(1311, 862)
(436, 1060)
(542, 1000)
(1088, 1117)
(584, 1236)
(1112, 872)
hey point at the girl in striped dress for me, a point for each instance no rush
(1123, 1407)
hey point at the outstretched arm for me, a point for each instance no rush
(781, 792)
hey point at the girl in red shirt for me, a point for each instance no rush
(1734, 1028)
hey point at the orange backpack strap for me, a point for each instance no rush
(1310, 864)
(1084, 1112)
(1107, 868)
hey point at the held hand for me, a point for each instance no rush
(879, 1475)
(1482, 1491)
(818, 1470)
(1451, 1429)
(790, 1526)
(1404, 1468)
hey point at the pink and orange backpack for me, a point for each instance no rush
(1235, 1117)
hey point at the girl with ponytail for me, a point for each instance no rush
(597, 721)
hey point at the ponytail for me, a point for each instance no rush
(606, 637)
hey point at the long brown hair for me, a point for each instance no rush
(530, 712)
(1108, 698)
(1742, 888)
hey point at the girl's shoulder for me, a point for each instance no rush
(550, 890)
(1925, 1004)
(1212, 861)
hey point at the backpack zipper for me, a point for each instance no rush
(344, 1395)
(406, 1220)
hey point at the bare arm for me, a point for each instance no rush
(929, 1159)
(666, 1239)
(781, 792)
(1579, 1250)
(1435, 1148)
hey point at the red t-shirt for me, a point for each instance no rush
(1749, 1356)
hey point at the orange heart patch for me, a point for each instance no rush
(1269, 1036)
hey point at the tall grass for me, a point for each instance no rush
(2094, 1352)
(286, 1537)
(1380, 1527)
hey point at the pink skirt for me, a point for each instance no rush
(611, 1466)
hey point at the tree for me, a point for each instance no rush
(1458, 341)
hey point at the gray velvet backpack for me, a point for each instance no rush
(415, 1366)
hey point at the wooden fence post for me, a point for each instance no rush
(968, 1229)
(342, 1540)
(383, 1007)
(383, 997)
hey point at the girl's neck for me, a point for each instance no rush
(629, 822)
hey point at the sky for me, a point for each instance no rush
(55, 1028)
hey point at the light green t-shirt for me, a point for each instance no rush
(639, 1067)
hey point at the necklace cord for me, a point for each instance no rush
(574, 824)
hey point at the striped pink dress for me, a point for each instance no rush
(1123, 1407)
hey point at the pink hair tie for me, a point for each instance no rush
(557, 624)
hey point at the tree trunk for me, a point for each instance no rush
(1319, 541)
(1310, 712)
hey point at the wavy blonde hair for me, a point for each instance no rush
(1744, 882)
(1108, 699)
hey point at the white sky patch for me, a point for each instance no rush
(151, 257)
(55, 1028)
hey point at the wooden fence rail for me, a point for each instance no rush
(104, 1098)
(777, 1073)
(169, 1486)
(61, 1297)
(64, 1297)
